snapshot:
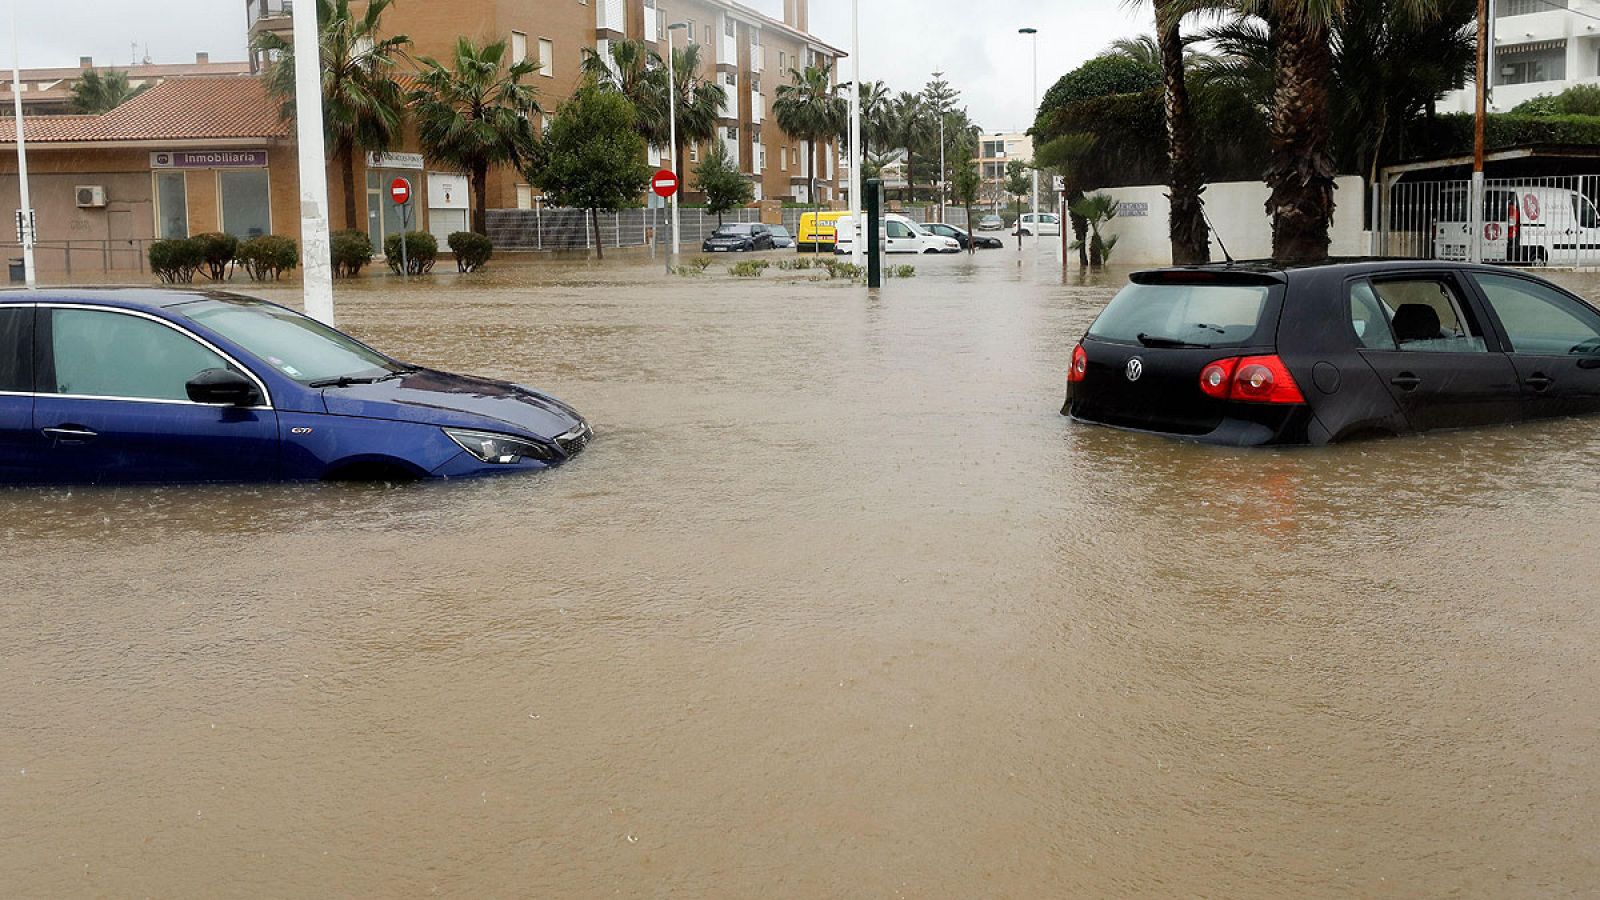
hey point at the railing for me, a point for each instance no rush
(1546, 221)
(86, 257)
(267, 9)
(571, 229)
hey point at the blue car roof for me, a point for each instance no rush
(142, 298)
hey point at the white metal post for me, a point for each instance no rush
(857, 156)
(314, 250)
(1037, 225)
(25, 220)
(672, 117)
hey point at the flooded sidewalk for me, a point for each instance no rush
(837, 604)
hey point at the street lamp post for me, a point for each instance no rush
(315, 260)
(672, 118)
(25, 223)
(856, 155)
(1034, 33)
(943, 172)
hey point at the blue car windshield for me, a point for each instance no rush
(299, 347)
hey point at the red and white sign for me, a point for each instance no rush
(400, 190)
(1491, 231)
(1530, 207)
(664, 183)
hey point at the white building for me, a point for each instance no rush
(1540, 47)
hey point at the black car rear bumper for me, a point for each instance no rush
(1246, 425)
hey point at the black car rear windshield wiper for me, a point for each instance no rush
(1150, 340)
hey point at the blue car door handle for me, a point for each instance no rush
(70, 434)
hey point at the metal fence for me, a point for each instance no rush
(86, 257)
(546, 228)
(1548, 221)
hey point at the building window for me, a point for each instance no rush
(246, 202)
(547, 57)
(783, 159)
(755, 84)
(694, 152)
(727, 26)
(1529, 66)
(733, 132)
(783, 61)
(1524, 7)
(690, 32)
(708, 36)
(729, 79)
(994, 149)
(524, 196)
(519, 46)
(172, 206)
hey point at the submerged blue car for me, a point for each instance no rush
(132, 385)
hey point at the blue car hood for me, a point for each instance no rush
(460, 401)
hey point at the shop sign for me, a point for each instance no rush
(208, 159)
(394, 160)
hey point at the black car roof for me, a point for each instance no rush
(145, 298)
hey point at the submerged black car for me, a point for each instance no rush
(738, 237)
(965, 239)
(1256, 353)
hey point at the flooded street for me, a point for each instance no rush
(836, 604)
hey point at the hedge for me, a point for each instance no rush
(1452, 134)
(472, 250)
(219, 251)
(421, 249)
(268, 257)
(350, 251)
(176, 260)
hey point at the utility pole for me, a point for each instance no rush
(1034, 33)
(314, 250)
(857, 156)
(1475, 196)
(672, 117)
(25, 223)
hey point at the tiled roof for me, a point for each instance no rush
(174, 110)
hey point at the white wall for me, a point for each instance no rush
(1238, 210)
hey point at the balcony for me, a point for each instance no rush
(757, 107)
(269, 15)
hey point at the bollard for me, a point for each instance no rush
(869, 230)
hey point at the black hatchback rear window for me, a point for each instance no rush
(1211, 315)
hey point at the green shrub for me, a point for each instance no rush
(1451, 134)
(900, 271)
(750, 268)
(795, 265)
(472, 250)
(218, 251)
(349, 251)
(696, 266)
(176, 261)
(421, 249)
(268, 257)
(1578, 100)
(839, 269)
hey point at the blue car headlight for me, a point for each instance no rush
(499, 449)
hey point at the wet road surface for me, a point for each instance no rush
(835, 605)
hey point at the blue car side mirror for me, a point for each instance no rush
(223, 387)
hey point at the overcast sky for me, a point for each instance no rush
(903, 41)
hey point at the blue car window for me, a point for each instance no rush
(107, 354)
(299, 347)
(16, 349)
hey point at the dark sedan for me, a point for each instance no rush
(1259, 353)
(965, 239)
(737, 238)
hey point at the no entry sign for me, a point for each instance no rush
(400, 190)
(665, 183)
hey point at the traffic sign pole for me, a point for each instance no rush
(665, 184)
(400, 191)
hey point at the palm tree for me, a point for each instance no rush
(1144, 50)
(362, 105)
(809, 108)
(1187, 230)
(638, 73)
(911, 122)
(700, 102)
(97, 93)
(476, 113)
(875, 130)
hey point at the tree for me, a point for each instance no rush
(591, 157)
(1097, 209)
(1186, 218)
(1066, 155)
(911, 124)
(638, 73)
(475, 114)
(724, 185)
(809, 108)
(1099, 77)
(965, 187)
(876, 132)
(363, 107)
(96, 93)
(700, 102)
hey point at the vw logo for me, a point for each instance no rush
(1135, 368)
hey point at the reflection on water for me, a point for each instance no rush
(836, 604)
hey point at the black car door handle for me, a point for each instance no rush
(1589, 362)
(1405, 381)
(69, 434)
(1540, 381)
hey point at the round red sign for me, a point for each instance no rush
(1491, 231)
(400, 190)
(664, 183)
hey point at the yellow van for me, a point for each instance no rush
(818, 231)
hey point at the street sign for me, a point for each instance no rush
(400, 190)
(665, 183)
(27, 233)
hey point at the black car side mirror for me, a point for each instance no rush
(223, 387)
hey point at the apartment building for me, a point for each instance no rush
(1540, 47)
(995, 152)
(48, 91)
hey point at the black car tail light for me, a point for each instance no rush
(1250, 379)
(1080, 365)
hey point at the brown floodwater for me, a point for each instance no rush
(836, 605)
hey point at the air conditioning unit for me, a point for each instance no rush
(91, 196)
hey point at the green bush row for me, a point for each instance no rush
(176, 261)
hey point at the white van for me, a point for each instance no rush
(1526, 224)
(900, 235)
(1046, 224)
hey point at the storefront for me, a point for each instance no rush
(448, 208)
(197, 190)
(384, 216)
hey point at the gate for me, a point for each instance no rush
(1536, 221)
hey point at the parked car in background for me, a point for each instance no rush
(1534, 224)
(991, 223)
(1042, 223)
(138, 385)
(1265, 354)
(962, 237)
(738, 237)
(900, 235)
(818, 231)
(781, 238)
